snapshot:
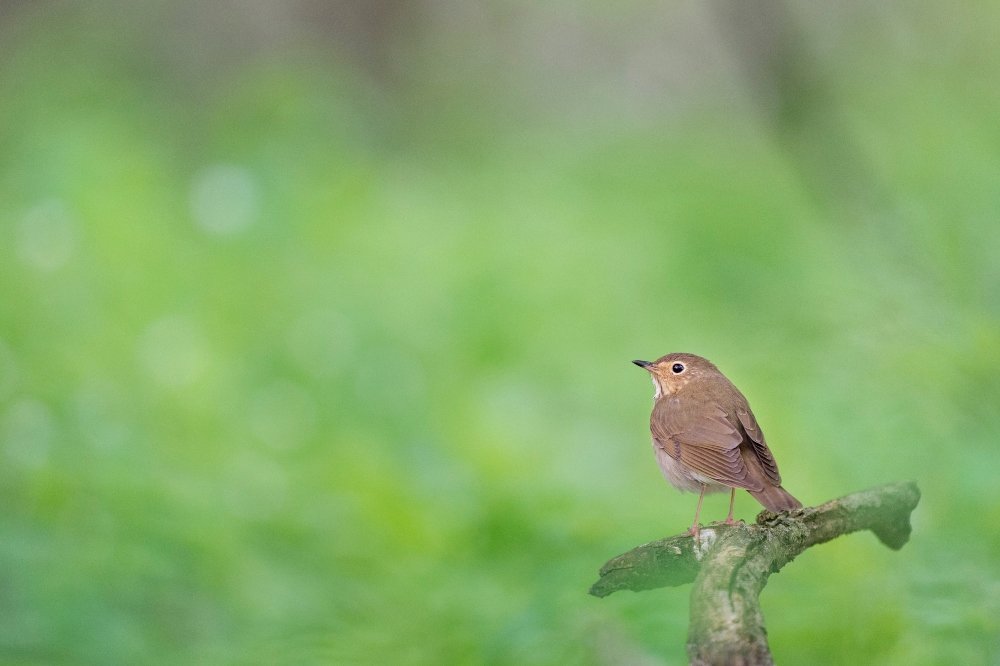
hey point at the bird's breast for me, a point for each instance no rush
(681, 476)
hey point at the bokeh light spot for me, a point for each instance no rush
(46, 236)
(173, 351)
(224, 199)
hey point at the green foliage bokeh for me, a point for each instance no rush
(295, 371)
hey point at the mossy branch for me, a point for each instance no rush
(729, 565)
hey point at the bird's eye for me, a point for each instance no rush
(677, 368)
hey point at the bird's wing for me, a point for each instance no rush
(759, 445)
(703, 438)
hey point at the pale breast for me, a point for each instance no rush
(683, 477)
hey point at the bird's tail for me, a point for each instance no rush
(776, 498)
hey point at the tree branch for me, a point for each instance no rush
(730, 565)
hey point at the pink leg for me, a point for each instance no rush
(732, 500)
(697, 512)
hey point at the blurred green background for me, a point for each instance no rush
(316, 321)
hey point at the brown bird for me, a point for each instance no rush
(705, 437)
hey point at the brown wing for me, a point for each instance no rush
(756, 439)
(703, 437)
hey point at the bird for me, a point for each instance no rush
(706, 438)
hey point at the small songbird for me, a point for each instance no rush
(705, 437)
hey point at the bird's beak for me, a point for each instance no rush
(643, 364)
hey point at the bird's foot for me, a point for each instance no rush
(694, 531)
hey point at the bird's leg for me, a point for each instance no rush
(732, 500)
(697, 512)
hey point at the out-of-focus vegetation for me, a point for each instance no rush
(316, 321)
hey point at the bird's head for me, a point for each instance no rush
(671, 373)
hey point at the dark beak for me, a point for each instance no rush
(643, 364)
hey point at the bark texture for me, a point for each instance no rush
(729, 565)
